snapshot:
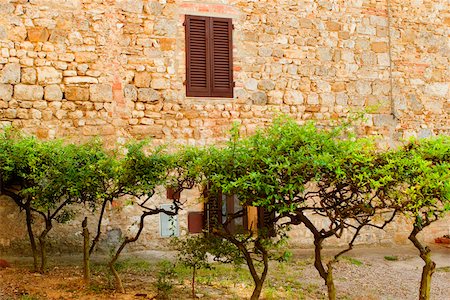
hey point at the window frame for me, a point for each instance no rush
(211, 90)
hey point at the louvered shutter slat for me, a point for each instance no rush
(221, 58)
(197, 46)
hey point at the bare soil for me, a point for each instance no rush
(365, 273)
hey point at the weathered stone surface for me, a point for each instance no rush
(439, 89)
(28, 76)
(259, 98)
(53, 93)
(293, 97)
(142, 79)
(28, 92)
(266, 85)
(6, 91)
(76, 93)
(160, 84)
(38, 34)
(101, 92)
(80, 80)
(148, 95)
(48, 75)
(251, 84)
(10, 73)
(363, 88)
(307, 59)
(130, 92)
(131, 6)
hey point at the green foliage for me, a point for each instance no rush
(353, 261)
(164, 282)
(193, 251)
(391, 257)
(423, 170)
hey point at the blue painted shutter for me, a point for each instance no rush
(168, 224)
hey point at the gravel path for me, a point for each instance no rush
(378, 278)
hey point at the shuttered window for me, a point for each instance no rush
(209, 57)
(168, 224)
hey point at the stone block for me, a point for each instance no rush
(259, 98)
(363, 88)
(165, 27)
(333, 26)
(28, 92)
(266, 85)
(76, 93)
(142, 79)
(251, 84)
(38, 34)
(131, 6)
(160, 84)
(10, 73)
(53, 93)
(379, 47)
(130, 93)
(167, 44)
(148, 95)
(6, 91)
(153, 8)
(48, 75)
(293, 97)
(313, 99)
(28, 76)
(101, 92)
(80, 80)
(85, 57)
(437, 89)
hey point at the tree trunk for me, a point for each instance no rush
(86, 255)
(327, 275)
(428, 269)
(99, 228)
(193, 283)
(119, 284)
(258, 289)
(34, 250)
(330, 282)
(42, 244)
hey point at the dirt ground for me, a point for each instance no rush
(365, 273)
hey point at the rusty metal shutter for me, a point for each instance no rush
(221, 58)
(209, 57)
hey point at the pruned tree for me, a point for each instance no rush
(424, 193)
(141, 175)
(293, 171)
(45, 178)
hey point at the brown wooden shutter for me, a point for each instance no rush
(197, 56)
(195, 222)
(209, 57)
(266, 222)
(221, 57)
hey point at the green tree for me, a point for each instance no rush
(299, 171)
(45, 178)
(142, 172)
(424, 193)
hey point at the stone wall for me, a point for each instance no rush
(116, 68)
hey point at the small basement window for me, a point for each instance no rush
(168, 224)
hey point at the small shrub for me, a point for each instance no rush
(166, 274)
